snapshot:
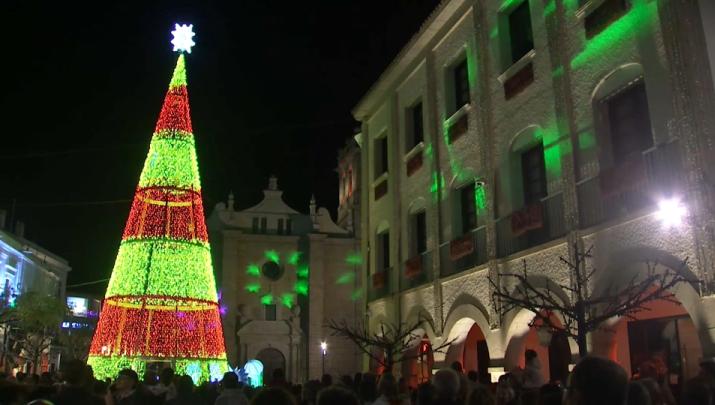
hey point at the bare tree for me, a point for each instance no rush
(588, 309)
(389, 345)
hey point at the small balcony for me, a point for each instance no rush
(531, 226)
(416, 271)
(633, 185)
(379, 285)
(463, 253)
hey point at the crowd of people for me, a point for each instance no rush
(593, 381)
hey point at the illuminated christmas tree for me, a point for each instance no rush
(161, 303)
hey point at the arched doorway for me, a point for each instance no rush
(418, 362)
(272, 360)
(552, 347)
(476, 354)
(661, 338)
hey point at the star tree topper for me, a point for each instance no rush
(182, 37)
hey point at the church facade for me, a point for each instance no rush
(284, 274)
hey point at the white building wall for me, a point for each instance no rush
(498, 127)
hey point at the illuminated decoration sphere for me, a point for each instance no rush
(161, 304)
(253, 370)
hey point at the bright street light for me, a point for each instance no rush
(324, 347)
(671, 212)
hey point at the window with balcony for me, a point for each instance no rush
(628, 123)
(254, 225)
(381, 156)
(383, 251)
(533, 172)
(289, 226)
(603, 16)
(415, 125)
(418, 231)
(521, 39)
(467, 208)
(460, 84)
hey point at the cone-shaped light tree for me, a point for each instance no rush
(161, 303)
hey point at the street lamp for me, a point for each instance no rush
(324, 351)
(671, 212)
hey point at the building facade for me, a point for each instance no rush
(25, 267)
(519, 132)
(284, 275)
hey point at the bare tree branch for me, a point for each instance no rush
(588, 311)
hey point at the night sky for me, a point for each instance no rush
(271, 85)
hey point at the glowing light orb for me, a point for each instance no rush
(183, 35)
(253, 369)
(671, 212)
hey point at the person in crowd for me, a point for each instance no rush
(368, 389)
(550, 394)
(481, 395)
(533, 379)
(698, 391)
(346, 381)
(388, 391)
(638, 394)
(185, 394)
(337, 395)
(326, 380)
(656, 371)
(273, 396)
(310, 392)
(357, 379)
(424, 395)
(508, 390)
(596, 381)
(231, 393)
(279, 380)
(126, 390)
(74, 390)
(297, 391)
(464, 385)
(166, 389)
(446, 383)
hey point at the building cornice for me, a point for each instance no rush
(410, 54)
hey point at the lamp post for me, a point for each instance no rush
(324, 351)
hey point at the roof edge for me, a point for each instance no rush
(405, 57)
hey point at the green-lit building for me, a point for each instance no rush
(519, 132)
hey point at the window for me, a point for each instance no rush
(270, 312)
(383, 251)
(254, 226)
(533, 174)
(416, 125)
(520, 35)
(289, 226)
(264, 224)
(419, 233)
(280, 226)
(629, 123)
(461, 84)
(468, 208)
(603, 16)
(380, 156)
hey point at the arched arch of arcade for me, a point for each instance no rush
(457, 313)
